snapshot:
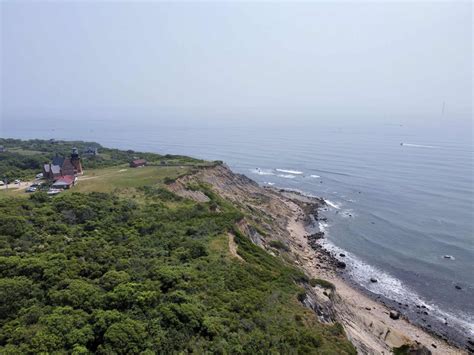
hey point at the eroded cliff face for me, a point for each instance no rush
(275, 220)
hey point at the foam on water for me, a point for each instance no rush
(332, 204)
(392, 288)
(287, 176)
(259, 171)
(293, 172)
(315, 176)
(322, 226)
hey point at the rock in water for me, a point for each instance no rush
(394, 315)
(373, 279)
(458, 287)
(341, 264)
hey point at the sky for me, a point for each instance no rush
(236, 61)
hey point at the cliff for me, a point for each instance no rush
(276, 221)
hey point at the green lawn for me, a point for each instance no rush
(111, 179)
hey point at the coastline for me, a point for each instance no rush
(366, 320)
(283, 215)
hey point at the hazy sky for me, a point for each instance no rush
(235, 61)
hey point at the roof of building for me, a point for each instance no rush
(64, 180)
(58, 160)
(139, 161)
(55, 169)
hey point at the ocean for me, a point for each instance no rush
(400, 197)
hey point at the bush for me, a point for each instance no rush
(168, 181)
(277, 244)
(322, 283)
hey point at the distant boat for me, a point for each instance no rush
(401, 143)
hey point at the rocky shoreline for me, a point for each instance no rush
(373, 324)
(418, 314)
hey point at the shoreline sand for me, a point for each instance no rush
(366, 320)
(284, 215)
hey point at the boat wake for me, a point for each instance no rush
(417, 145)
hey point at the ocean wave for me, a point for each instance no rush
(293, 172)
(393, 288)
(287, 176)
(270, 183)
(259, 171)
(417, 145)
(332, 204)
(315, 176)
(323, 226)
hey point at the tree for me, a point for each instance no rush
(125, 337)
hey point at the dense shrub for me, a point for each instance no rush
(322, 283)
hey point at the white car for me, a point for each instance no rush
(17, 182)
(39, 176)
(31, 189)
(53, 191)
(1, 183)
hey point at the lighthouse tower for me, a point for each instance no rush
(76, 161)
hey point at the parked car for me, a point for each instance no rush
(31, 189)
(1, 183)
(17, 182)
(54, 191)
(39, 176)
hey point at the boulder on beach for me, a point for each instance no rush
(341, 264)
(394, 315)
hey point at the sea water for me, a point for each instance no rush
(399, 197)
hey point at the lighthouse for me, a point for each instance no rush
(76, 161)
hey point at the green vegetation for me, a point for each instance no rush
(124, 266)
(402, 350)
(23, 159)
(277, 244)
(322, 283)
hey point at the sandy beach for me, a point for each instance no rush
(285, 216)
(366, 321)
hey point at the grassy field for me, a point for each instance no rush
(111, 179)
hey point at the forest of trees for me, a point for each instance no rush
(144, 274)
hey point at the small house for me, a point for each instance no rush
(64, 182)
(51, 171)
(91, 151)
(137, 163)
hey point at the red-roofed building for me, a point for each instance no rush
(137, 163)
(64, 182)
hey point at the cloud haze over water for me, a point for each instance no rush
(267, 62)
